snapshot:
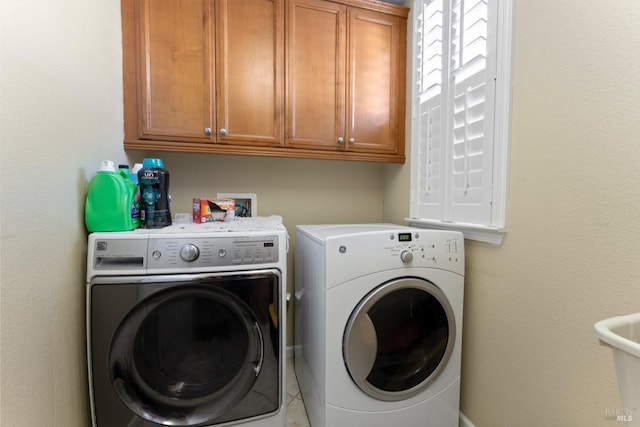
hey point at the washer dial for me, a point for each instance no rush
(189, 252)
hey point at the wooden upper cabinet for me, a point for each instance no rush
(207, 71)
(345, 78)
(250, 66)
(376, 82)
(174, 78)
(320, 79)
(316, 49)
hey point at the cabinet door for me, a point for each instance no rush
(175, 80)
(376, 82)
(316, 43)
(250, 80)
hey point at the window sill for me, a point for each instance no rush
(479, 233)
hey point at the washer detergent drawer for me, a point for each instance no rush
(184, 350)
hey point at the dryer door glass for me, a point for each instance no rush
(399, 338)
(188, 354)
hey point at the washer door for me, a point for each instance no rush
(186, 355)
(399, 338)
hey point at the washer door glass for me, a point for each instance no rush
(399, 338)
(186, 355)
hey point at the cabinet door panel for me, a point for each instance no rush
(175, 79)
(374, 81)
(250, 66)
(316, 42)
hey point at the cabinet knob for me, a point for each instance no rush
(207, 131)
(223, 131)
(340, 140)
(352, 140)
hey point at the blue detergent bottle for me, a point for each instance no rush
(153, 179)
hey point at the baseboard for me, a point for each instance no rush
(465, 422)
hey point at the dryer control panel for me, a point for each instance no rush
(425, 247)
(353, 255)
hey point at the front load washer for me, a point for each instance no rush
(186, 325)
(378, 319)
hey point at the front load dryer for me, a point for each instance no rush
(378, 321)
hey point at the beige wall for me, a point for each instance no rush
(570, 256)
(60, 114)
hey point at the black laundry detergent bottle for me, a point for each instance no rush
(153, 179)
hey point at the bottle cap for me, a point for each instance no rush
(152, 163)
(107, 166)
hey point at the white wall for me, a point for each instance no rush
(60, 115)
(570, 256)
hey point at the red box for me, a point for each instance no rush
(210, 210)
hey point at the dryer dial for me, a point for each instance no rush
(189, 252)
(406, 256)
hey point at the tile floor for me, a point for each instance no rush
(296, 414)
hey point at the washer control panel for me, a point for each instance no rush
(211, 252)
(141, 253)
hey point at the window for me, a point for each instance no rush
(461, 99)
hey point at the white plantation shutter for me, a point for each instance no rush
(455, 98)
(429, 74)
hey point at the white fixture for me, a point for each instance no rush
(622, 334)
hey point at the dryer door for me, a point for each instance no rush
(399, 338)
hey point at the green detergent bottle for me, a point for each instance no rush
(109, 200)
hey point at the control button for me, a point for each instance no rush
(222, 253)
(156, 254)
(406, 256)
(189, 252)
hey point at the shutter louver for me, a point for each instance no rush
(431, 41)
